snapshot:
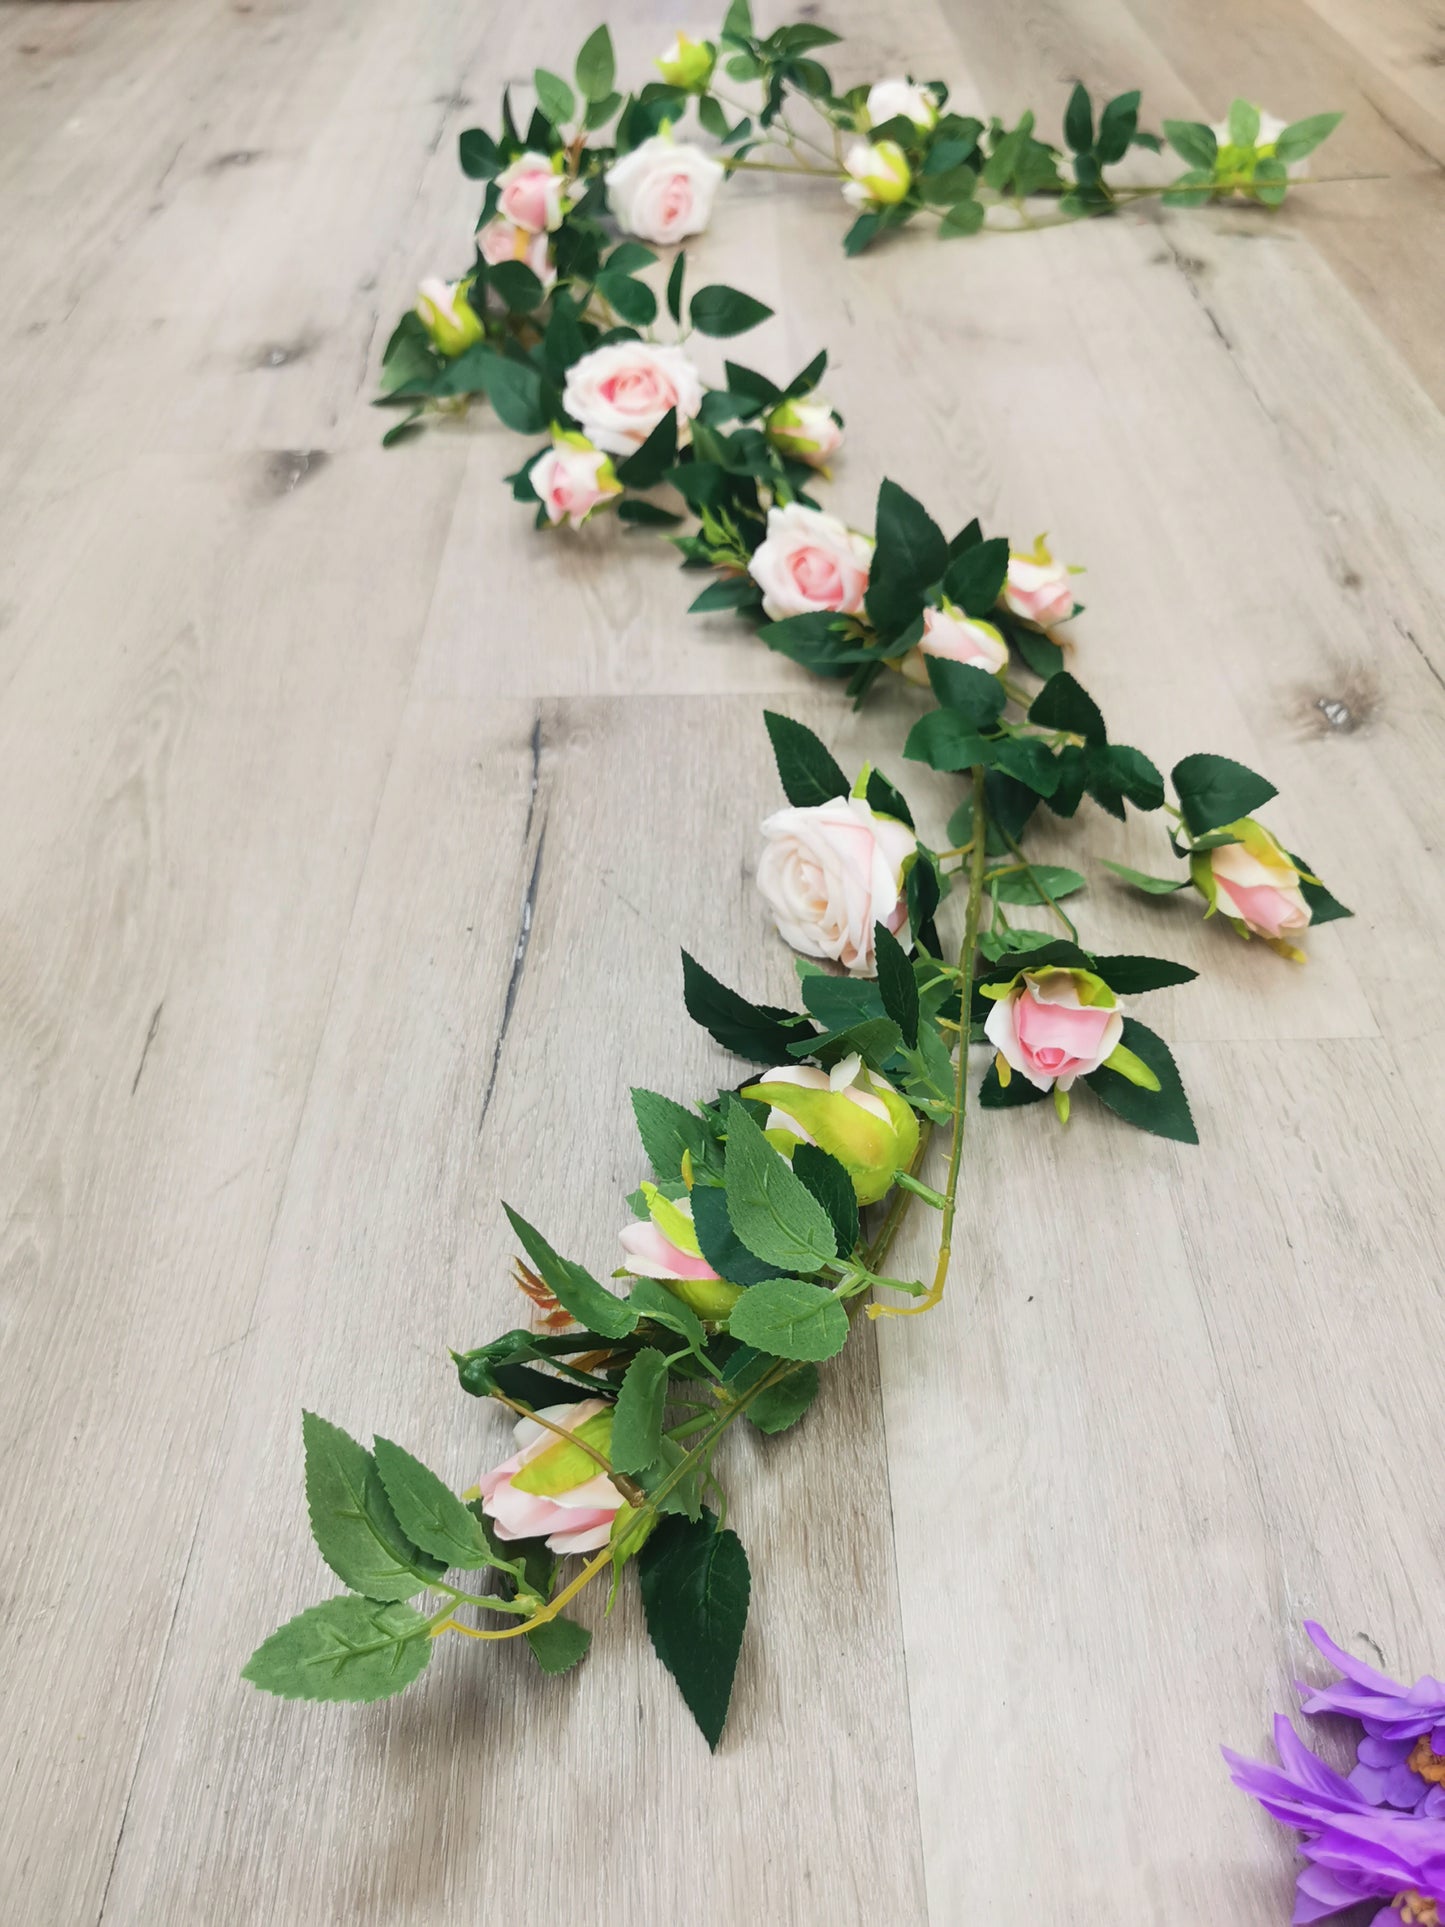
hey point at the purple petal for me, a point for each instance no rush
(1384, 1752)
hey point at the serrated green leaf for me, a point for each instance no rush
(944, 740)
(996, 1096)
(674, 285)
(807, 769)
(1129, 976)
(1323, 907)
(428, 1512)
(596, 65)
(1154, 886)
(695, 1585)
(1215, 790)
(1063, 703)
(575, 1289)
(910, 544)
(637, 1422)
(1193, 142)
(721, 1246)
(1165, 1112)
(773, 1212)
(896, 983)
(760, 1032)
(789, 1318)
(651, 1299)
(352, 1521)
(1029, 760)
(668, 1129)
(1028, 886)
(557, 1644)
(347, 1649)
(831, 1185)
(632, 300)
(555, 97)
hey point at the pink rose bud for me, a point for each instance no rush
(663, 190)
(1255, 884)
(829, 872)
(572, 479)
(448, 316)
(502, 240)
(949, 633)
(532, 192)
(807, 430)
(1053, 1025)
(810, 560)
(550, 1488)
(881, 174)
(666, 1248)
(1038, 589)
(621, 392)
(850, 1112)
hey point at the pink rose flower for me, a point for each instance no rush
(532, 194)
(502, 240)
(829, 872)
(949, 633)
(1038, 589)
(663, 190)
(810, 560)
(1052, 1025)
(621, 392)
(666, 1248)
(807, 430)
(572, 479)
(1255, 882)
(575, 1516)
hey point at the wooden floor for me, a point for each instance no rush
(291, 730)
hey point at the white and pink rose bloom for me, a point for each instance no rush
(1038, 589)
(550, 1488)
(850, 1112)
(954, 637)
(1256, 884)
(619, 394)
(1054, 1025)
(573, 479)
(532, 192)
(663, 190)
(665, 1247)
(810, 561)
(502, 240)
(880, 174)
(829, 872)
(805, 429)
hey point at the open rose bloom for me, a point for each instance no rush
(1256, 884)
(1038, 589)
(621, 392)
(850, 1112)
(663, 190)
(551, 1489)
(532, 193)
(666, 1248)
(810, 561)
(1052, 1026)
(829, 872)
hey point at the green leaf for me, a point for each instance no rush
(896, 983)
(1323, 907)
(1027, 886)
(831, 1185)
(599, 112)
(1302, 137)
(996, 1096)
(717, 310)
(862, 234)
(519, 288)
(514, 389)
(596, 65)
(733, 592)
(648, 514)
(637, 1422)
(667, 1129)
(652, 1300)
(1063, 703)
(1042, 655)
(1115, 774)
(966, 690)
(647, 465)
(738, 20)
(555, 97)
(352, 1521)
(806, 767)
(428, 1512)
(1131, 975)
(1154, 886)
(1079, 120)
(976, 575)
(721, 1246)
(1271, 181)
(1029, 760)
(1117, 126)
(884, 800)
(674, 286)
(695, 1585)
(1192, 189)
(1215, 790)
(1165, 1112)
(774, 1213)
(1193, 142)
(557, 1644)
(576, 1290)
(942, 739)
(633, 300)
(1243, 123)
(760, 1032)
(789, 1318)
(782, 1405)
(478, 154)
(964, 217)
(347, 1649)
(911, 546)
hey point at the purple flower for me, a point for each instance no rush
(1402, 1758)
(1356, 1851)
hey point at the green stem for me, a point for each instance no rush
(1037, 881)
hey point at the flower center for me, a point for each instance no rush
(818, 576)
(1417, 1910)
(1425, 1761)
